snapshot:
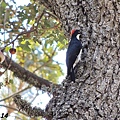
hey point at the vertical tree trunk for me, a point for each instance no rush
(96, 93)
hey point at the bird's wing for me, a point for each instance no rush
(72, 53)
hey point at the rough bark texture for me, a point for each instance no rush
(96, 93)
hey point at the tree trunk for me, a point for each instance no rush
(96, 93)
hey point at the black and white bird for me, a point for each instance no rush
(73, 51)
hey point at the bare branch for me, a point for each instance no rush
(14, 109)
(15, 94)
(35, 96)
(22, 33)
(51, 14)
(26, 75)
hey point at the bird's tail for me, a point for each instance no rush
(72, 75)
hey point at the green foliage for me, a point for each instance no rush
(35, 50)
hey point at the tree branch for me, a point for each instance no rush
(14, 109)
(31, 111)
(22, 33)
(26, 75)
(15, 94)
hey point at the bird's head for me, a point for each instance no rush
(75, 33)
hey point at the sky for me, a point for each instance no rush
(42, 98)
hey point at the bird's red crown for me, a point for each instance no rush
(72, 31)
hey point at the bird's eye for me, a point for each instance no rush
(78, 36)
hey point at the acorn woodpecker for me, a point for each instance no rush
(73, 51)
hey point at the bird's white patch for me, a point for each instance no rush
(78, 36)
(78, 58)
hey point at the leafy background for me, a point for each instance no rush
(38, 38)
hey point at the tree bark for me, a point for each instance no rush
(96, 93)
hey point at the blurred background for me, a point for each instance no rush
(40, 48)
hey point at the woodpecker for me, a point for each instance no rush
(74, 48)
